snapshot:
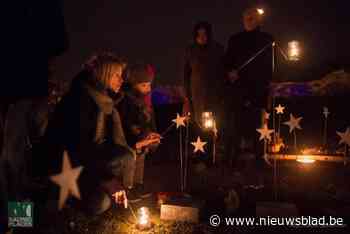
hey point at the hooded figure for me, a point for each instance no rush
(88, 126)
(202, 70)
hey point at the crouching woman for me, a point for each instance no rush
(88, 126)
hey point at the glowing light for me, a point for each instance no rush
(293, 51)
(260, 11)
(278, 146)
(206, 114)
(208, 121)
(144, 218)
(305, 159)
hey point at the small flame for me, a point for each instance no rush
(260, 11)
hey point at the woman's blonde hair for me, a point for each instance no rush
(101, 66)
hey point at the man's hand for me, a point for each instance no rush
(232, 76)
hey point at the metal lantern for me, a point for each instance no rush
(293, 51)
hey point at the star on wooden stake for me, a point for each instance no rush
(280, 109)
(265, 133)
(67, 180)
(198, 145)
(293, 123)
(180, 121)
(344, 137)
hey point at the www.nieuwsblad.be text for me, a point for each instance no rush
(301, 221)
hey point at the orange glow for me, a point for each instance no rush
(208, 123)
(144, 219)
(260, 11)
(306, 159)
(293, 51)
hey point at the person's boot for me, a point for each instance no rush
(98, 203)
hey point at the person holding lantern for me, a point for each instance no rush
(139, 124)
(247, 83)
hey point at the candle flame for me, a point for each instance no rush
(260, 11)
(306, 159)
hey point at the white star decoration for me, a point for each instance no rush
(265, 133)
(198, 145)
(293, 123)
(280, 109)
(67, 180)
(180, 121)
(345, 137)
(326, 112)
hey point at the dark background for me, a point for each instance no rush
(158, 32)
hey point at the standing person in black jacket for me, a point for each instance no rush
(247, 88)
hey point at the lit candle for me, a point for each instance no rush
(260, 11)
(144, 219)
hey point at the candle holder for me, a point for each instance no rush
(208, 120)
(293, 50)
(143, 219)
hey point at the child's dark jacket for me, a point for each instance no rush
(137, 117)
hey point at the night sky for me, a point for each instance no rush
(158, 31)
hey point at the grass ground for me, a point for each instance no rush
(319, 189)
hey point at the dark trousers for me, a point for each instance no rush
(110, 161)
(241, 122)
